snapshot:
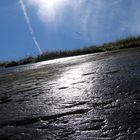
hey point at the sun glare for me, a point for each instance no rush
(48, 8)
(50, 4)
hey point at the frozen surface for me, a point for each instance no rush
(90, 97)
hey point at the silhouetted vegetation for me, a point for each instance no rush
(119, 44)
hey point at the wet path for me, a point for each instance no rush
(91, 97)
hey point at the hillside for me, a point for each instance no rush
(119, 44)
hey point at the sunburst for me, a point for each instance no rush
(48, 8)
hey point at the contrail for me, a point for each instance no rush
(30, 26)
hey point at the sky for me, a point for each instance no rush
(30, 27)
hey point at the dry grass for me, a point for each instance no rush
(119, 44)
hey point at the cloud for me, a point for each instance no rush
(92, 20)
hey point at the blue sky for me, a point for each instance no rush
(63, 24)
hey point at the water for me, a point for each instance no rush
(89, 97)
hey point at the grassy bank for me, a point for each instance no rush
(119, 44)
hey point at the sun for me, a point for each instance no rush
(47, 3)
(52, 3)
(48, 8)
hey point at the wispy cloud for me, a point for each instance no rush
(97, 21)
(30, 26)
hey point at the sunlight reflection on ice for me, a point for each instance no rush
(70, 90)
(73, 85)
(40, 64)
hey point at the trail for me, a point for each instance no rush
(30, 26)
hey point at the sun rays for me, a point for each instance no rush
(47, 8)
